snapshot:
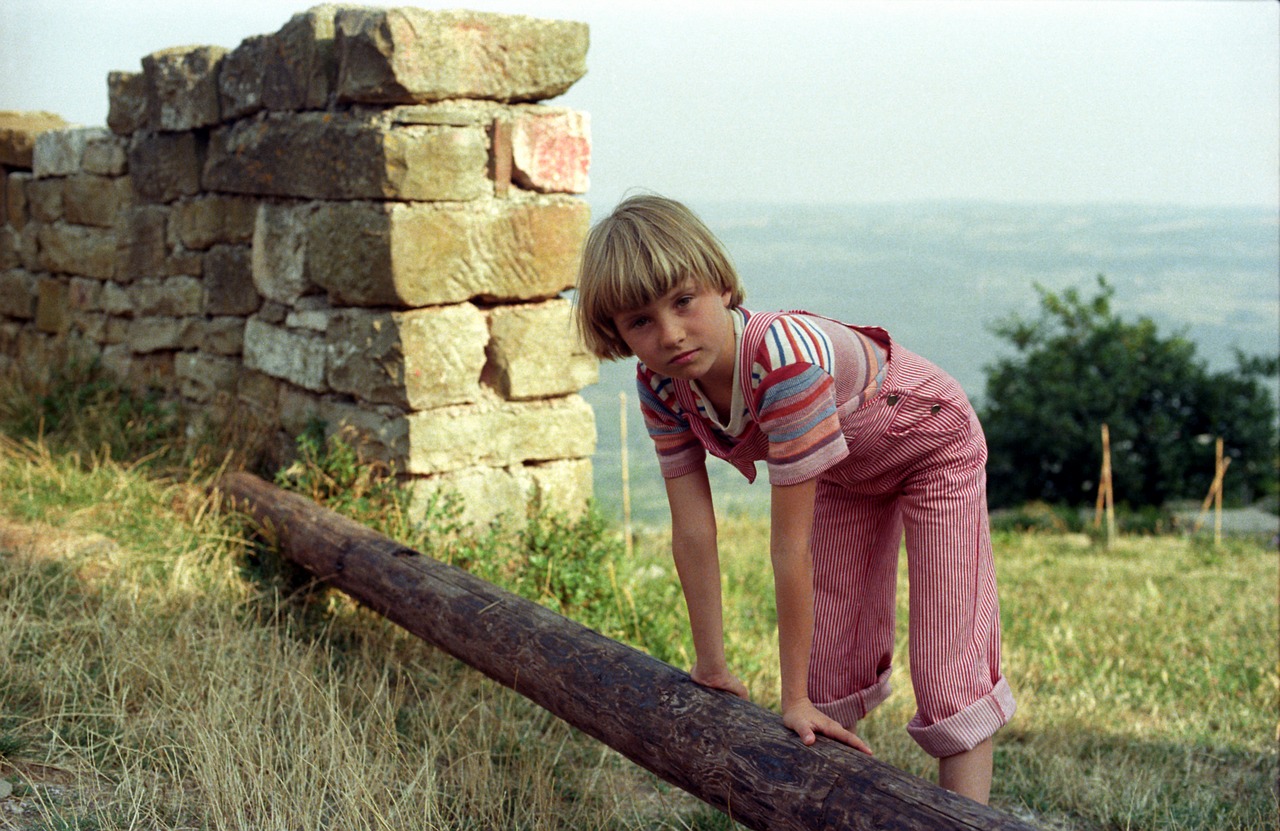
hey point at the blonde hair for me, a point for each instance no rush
(641, 251)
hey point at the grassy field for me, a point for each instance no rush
(159, 668)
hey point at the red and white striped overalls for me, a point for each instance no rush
(916, 464)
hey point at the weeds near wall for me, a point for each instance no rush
(82, 408)
(571, 564)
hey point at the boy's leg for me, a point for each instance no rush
(855, 543)
(969, 773)
(961, 697)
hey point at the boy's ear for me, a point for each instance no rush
(726, 297)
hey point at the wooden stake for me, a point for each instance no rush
(1218, 470)
(626, 476)
(1106, 494)
(1220, 464)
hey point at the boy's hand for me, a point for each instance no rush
(806, 720)
(721, 679)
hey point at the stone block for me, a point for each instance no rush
(91, 326)
(499, 434)
(44, 199)
(287, 354)
(228, 281)
(9, 256)
(297, 409)
(95, 200)
(143, 248)
(165, 166)
(18, 132)
(116, 330)
(260, 393)
(220, 335)
(159, 334)
(551, 150)
(372, 254)
(500, 160)
(207, 220)
(377, 434)
(279, 255)
(9, 331)
(33, 354)
(490, 494)
(180, 296)
(18, 294)
(84, 294)
(534, 351)
(139, 371)
(312, 313)
(27, 242)
(17, 206)
(106, 156)
(127, 94)
(203, 378)
(344, 156)
(61, 152)
(300, 67)
(182, 87)
(53, 315)
(116, 300)
(417, 359)
(273, 312)
(411, 55)
(37, 354)
(240, 78)
(78, 249)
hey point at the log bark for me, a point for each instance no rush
(732, 754)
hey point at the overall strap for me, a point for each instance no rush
(753, 333)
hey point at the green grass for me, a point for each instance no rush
(164, 670)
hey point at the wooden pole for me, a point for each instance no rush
(1106, 495)
(626, 475)
(1214, 496)
(728, 752)
(1218, 470)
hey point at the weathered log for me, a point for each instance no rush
(728, 752)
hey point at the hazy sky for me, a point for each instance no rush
(1149, 101)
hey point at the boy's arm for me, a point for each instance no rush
(791, 527)
(693, 546)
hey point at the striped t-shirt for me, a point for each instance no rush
(806, 370)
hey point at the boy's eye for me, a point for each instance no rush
(684, 300)
(637, 322)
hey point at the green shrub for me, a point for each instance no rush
(1038, 517)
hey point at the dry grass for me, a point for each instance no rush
(151, 681)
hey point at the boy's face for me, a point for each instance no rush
(686, 333)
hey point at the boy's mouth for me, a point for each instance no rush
(684, 358)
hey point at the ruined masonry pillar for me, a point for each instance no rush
(364, 218)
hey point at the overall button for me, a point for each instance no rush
(935, 409)
(891, 400)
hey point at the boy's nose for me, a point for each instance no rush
(672, 332)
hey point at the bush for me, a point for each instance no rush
(1079, 366)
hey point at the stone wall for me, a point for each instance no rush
(363, 218)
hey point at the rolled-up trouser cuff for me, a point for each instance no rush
(853, 708)
(967, 728)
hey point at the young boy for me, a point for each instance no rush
(863, 440)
